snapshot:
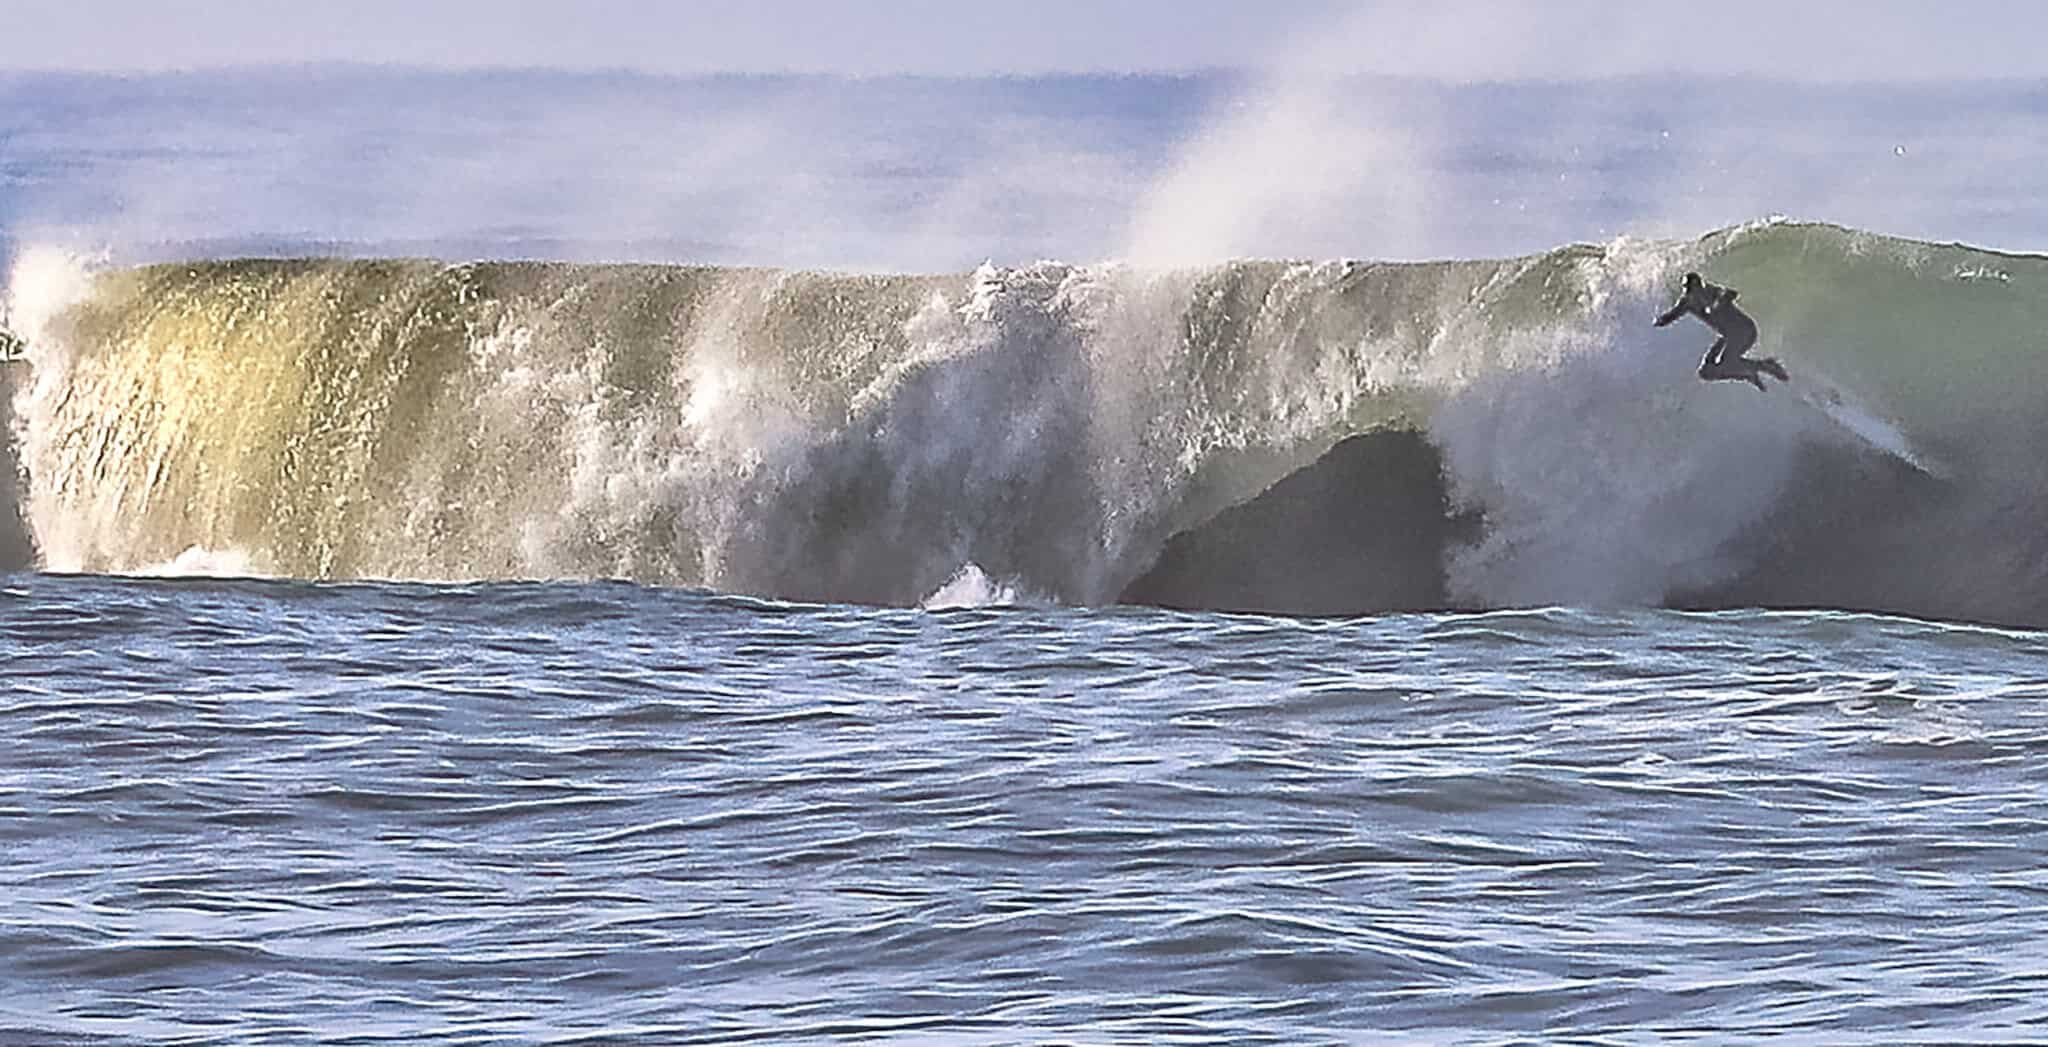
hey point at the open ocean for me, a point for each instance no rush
(541, 558)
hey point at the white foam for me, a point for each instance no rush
(970, 586)
(44, 282)
(198, 562)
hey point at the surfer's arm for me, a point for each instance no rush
(1671, 314)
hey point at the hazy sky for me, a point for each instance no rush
(1458, 39)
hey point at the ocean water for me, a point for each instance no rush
(539, 558)
(242, 812)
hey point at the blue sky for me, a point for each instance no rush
(1453, 39)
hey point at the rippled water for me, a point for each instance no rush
(242, 812)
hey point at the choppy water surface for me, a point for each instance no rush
(236, 812)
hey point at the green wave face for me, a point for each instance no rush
(848, 437)
(1952, 339)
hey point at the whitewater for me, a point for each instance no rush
(529, 557)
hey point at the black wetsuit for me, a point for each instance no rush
(1716, 306)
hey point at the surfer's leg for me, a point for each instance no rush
(1717, 366)
(1710, 364)
(1725, 360)
(1741, 340)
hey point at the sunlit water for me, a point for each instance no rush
(246, 812)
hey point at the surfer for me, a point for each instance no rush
(1716, 306)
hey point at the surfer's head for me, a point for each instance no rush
(1692, 281)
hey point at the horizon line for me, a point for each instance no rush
(1247, 72)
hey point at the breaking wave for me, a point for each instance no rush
(1325, 437)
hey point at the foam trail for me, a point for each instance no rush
(1822, 395)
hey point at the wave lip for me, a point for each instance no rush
(1076, 429)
